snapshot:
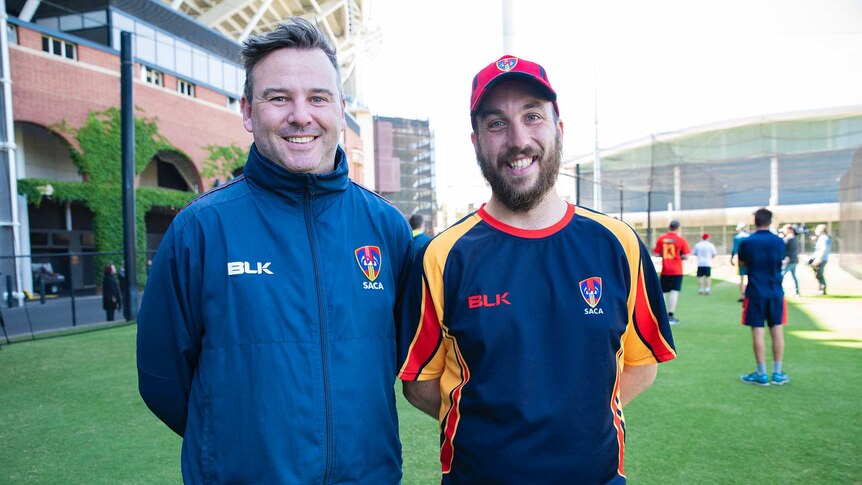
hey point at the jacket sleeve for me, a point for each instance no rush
(168, 342)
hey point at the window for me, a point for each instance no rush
(233, 104)
(186, 88)
(59, 47)
(12, 33)
(152, 76)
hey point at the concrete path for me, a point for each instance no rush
(838, 314)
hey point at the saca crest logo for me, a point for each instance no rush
(244, 267)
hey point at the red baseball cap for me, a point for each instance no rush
(706, 235)
(509, 67)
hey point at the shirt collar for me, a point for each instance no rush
(264, 173)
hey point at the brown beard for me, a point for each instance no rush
(520, 200)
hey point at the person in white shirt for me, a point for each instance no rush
(705, 251)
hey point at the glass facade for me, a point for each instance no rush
(404, 149)
(159, 49)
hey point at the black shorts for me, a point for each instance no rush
(704, 271)
(757, 310)
(669, 283)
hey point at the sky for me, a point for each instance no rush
(639, 68)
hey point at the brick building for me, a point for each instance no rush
(64, 65)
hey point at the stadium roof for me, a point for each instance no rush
(707, 136)
(342, 20)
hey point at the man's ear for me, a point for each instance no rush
(245, 107)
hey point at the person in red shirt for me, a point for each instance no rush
(673, 249)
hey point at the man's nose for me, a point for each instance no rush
(299, 114)
(519, 135)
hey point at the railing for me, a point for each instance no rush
(59, 291)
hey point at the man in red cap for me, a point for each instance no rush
(533, 321)
(704, 251)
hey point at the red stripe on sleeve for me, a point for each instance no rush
(426, 343)
(447, 450)
(452, 417)
(648, 324)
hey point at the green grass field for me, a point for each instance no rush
(70, 411)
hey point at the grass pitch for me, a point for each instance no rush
(70, 411)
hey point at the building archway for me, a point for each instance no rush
(167, 170)
(52, 227)
(171, 170)
(43, 153)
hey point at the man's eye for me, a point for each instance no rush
(277, 99)
(496, 124)
(318, 99)
(533, 117)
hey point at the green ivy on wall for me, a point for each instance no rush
(223, 160)
(99, 160)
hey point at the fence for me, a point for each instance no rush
(59, 291)
(851, 217)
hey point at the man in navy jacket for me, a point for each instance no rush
(266, 336)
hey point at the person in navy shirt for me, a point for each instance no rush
(762, 254)
(420, 239)
(531, 322)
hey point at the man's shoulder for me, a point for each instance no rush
(374, 199)
(763, 239)
(769, 236)
(227, 192)
(622, 230)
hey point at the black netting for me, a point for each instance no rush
(714, 176)
(851, 217)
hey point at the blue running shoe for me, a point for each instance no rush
(755, 378)
(780, 378)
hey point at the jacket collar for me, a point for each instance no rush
(268, 175)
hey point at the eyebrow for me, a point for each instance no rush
(498, 112)
(268, 91)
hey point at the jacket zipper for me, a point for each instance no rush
(312, 239)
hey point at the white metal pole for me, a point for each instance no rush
(597, 166)
(8, 145)
(508, 28)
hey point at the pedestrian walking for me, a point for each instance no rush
(112, 299)
(791, 259)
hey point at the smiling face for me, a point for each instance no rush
(518, 144)
(296, 113)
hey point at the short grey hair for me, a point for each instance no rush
(297, 33)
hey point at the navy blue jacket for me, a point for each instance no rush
(266, 336)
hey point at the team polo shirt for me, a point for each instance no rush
(528, 331)
(671, 246)
(762, 253)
